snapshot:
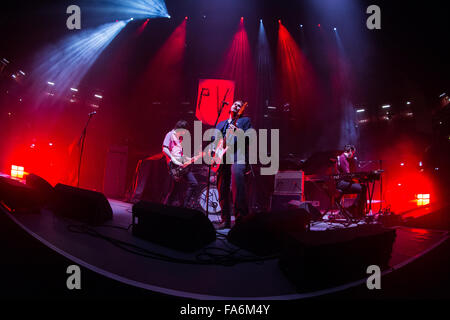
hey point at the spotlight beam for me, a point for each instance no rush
(124, 9)
(67, 62)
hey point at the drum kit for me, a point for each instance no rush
(199, 201)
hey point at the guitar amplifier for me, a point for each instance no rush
(288, 186)
(289, 183)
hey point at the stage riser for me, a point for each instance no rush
(322, 259)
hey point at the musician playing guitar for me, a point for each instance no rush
(177, 162)
(345, 165)
(233, 174)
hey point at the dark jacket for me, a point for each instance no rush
(243, 123)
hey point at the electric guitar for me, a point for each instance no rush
(178, 171)
(220, 151)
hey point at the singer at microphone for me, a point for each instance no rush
(233, 172)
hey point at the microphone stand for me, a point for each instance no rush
(82, 141)
(209, 169)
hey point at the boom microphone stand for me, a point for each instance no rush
(81, 142)
(209, 169)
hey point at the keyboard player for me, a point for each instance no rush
(345, 165)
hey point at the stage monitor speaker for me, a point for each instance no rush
(314, 213)
(43, 189)
(281, 202)
(174, 227)
(322, 259)
(18, 197)
(263, 233)
(83, 205)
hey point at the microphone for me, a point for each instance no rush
(92, 113)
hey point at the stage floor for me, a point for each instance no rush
(249, 280)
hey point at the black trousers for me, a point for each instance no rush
(176, 189)
(233, 175)
(347, 187)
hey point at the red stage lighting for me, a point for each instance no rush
(166, 65)
(185, 18)
(297, 78)
(238, 63)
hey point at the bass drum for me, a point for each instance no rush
(214, 205)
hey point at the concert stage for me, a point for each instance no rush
(249, 280)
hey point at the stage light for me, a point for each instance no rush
(301, 26)
(185, 18)
(408, 102)
(74, 89)
(50, 144)
(124, 9)
(423, 199)
(4, 60)
(69, 60)
(297, 77)
(360, 110)
(334, 29)
(279, 21)
(17, 171)
(131, 19)
(98, 96)
(14, 76)
(402, 164)
(420, 164)
(21, 72)
(237, 64)
(242, 18)
(442, 95)
(169, 17)
(318, 25)
(387, 106)
(32, 146)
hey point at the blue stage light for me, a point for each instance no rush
(139, 9)
(64, 64)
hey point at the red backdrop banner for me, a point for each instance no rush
(211, 93)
